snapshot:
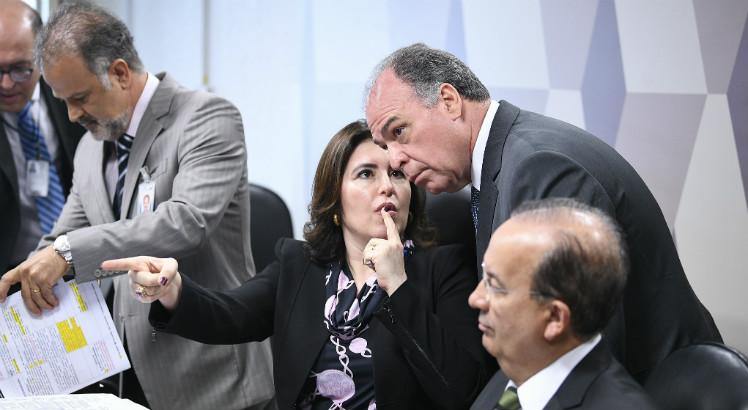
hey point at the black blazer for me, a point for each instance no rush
(425, 340)
(69, 135)
(597, 382)
(530, 156)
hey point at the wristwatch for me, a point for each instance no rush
(62, 247)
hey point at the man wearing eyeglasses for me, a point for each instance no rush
(37, 142)
(553, 276)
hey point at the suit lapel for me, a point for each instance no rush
(7, 166)
(305, 320)
(491, 393)
(58, 115)
(489, 194)
(68, 134)
(572, 391)
(150, 127)
(96, 185)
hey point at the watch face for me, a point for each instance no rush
(62, 247)
(59, 244)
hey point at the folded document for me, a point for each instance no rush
(64, 349)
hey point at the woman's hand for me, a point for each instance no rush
(385, 257)
(151, 278)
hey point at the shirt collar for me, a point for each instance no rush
(151, 84)
(480, 144)
(37, 93)
(536, 392)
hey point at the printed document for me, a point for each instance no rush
(96, 401)
(64, 349)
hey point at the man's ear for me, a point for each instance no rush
(119, 72)
(558, 320)
(451, 99)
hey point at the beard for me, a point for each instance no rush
(106, 130)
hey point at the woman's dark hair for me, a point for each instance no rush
(325, 238)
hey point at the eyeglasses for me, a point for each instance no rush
(18, 75)
(491, 281)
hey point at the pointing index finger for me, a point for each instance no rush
(136, 263)
(392, 233)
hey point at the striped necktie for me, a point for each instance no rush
(35, 148)
(122, 147)
(474, 202)
(509, 400)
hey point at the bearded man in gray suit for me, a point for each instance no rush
(184, 149)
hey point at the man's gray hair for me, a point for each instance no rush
(88, 31)
(425, 69)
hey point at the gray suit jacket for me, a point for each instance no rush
(193, 146)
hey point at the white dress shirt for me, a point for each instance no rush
(480, 144)
(536, 392)
(112, 173)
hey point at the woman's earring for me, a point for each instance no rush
(335, 219)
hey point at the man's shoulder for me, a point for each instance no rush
(615, 388)
(530, 131)
(183, 97)
(491, 393)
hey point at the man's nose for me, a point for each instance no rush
(477, 299)
(398, 158)
(6, 82)
(74, 112)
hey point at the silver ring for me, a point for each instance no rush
(35, 290)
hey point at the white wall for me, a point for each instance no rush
(651, 78)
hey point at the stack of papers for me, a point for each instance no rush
(61, 351)
(70, 402)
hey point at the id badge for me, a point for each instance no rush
(37, 177)
(146, 197)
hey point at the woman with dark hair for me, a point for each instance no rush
(364, 314)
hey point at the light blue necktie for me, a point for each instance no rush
(35, 148)
(122, 146)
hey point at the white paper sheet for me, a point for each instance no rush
(62, 350)
(70, 402)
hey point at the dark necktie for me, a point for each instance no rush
(35, 148)
(122, 146)
(474, 202)
(509, 400)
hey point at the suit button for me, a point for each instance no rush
(98, 272)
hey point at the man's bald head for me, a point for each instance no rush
(16, 14)
(19, 26)
(587, 264)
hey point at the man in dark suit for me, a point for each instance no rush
(21, 219)
(553, 276)
(443, 130)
